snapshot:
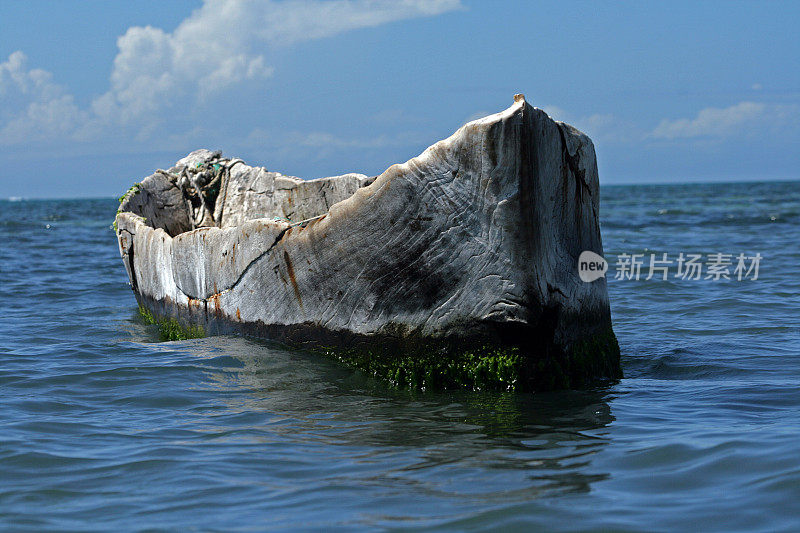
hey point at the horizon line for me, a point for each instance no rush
(689, 181)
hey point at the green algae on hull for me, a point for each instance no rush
(170, 329)
(483, 369)
(490, 368)
(135, 188)
(474, 367)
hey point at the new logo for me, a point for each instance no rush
(591, 266)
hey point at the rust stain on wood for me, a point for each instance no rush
(290, 270)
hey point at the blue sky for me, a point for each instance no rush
(95, 95)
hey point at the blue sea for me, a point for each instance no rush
(103, 427)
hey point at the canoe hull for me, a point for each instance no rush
(468, 251)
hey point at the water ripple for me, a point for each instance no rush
(103, 427)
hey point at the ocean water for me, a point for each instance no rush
(102, 427)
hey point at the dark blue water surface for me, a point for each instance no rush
(103, 427)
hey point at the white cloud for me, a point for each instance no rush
(32, 106)
(157, 75)
(223, 44)
(739, 119)
(290, 22)
(742, 119)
